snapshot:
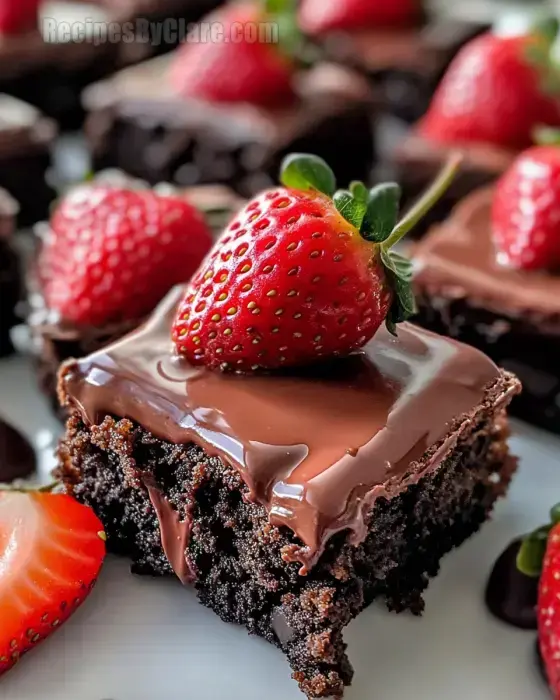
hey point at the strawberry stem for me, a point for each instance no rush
(432, 195)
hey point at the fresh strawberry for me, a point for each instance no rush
(495, 91)
(237, 68)
(539, 556)
(549, 611)
(526, 211)
(112, 253)
(18, 16)
(51, 552)
(299, 276)
(320, 16)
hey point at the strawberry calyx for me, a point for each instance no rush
(374, 213)
(292, 42)
(546, 136)
(533, 548)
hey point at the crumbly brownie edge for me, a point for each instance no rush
(238, 555)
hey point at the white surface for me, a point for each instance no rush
(141, 639)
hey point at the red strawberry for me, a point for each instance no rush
(526, 211)
(112, 253)
(18, 16)
(294, 279)
(548, 612)
(319, 16)
(237, 68)
(494, 92)
(51, 552)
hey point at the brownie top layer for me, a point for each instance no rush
(316, 447)
(145, 92)
(23, 128)
(458, 259)
(9, 209)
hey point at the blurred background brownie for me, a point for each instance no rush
(164, 17)
(138, 123)
(11, 283)
(54, 338)
(40, 65)
(404, 64)
(26, 137)
(513, 315)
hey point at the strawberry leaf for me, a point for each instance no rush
(399, 274)
(352, 208)
(303, 171)
(531, 554)
(546, 136)
(381, 213)
(359, 191)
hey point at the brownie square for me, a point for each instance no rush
(137, 123)
(290, 501)
(512, 315)
(26, 137)
(404, 64)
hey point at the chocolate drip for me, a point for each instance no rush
(511, 596)
(315, 447)
(17, 457)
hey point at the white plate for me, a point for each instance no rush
(143, 639)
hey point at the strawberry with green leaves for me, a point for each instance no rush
(51, 551)
(244, 64)
(539, 556)
(497, 89)
(304, 272)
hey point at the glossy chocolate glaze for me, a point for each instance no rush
(17, 457)
(459, 256)
(511, 596)
(316, 448)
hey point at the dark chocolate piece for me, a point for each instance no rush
(382, 461)
(511, 596)
(17, 457)
(137, 123)
(513, 316)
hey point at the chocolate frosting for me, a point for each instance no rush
(315, 447)
(460, 258)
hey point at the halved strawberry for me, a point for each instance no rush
(51, 552)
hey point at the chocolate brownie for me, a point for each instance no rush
(290, 501)
(10, 272)
(26, 137)
(137, 123)
(55, 340)
(404, 64)
(512, 315)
